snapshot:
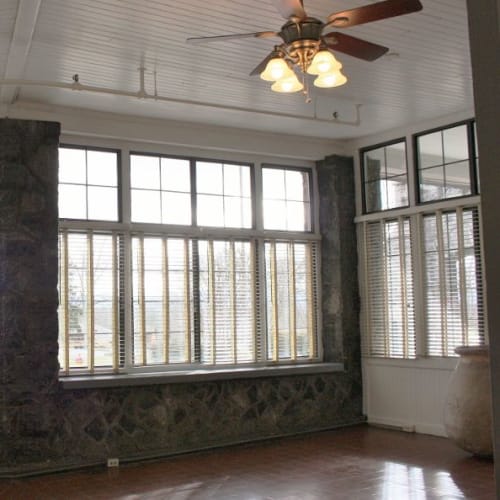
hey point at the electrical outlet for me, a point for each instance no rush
(113, 462)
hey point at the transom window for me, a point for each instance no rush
(195, 277)
(446, 163)
(88, 184)
(287, 199)
(385, 177)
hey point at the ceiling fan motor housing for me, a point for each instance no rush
(305, 29)
(302, 40)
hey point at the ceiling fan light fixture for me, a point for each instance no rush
(276, 69)
(330, 80)
(287, 85)
(323, 62)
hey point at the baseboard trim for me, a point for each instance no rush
(29, 470)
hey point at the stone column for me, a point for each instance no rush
(340, 292)
(28, 288)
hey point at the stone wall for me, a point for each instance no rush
(45, 427)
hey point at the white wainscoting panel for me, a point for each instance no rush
(407, 394)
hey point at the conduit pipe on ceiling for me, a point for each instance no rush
(142, 94)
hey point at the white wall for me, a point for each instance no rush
(406, 394)
(181, 137)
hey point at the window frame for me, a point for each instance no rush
(473, 169)
(256, 235)
(380, 145)
(119, 181)
(312, 203)
(193, 187)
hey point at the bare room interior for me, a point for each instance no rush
(248, 250)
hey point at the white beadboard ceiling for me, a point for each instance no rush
(105, 41)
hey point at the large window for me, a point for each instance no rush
(184, 271)
(453, 281)
(389, 295)
(422, 266)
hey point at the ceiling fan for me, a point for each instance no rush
(306, 47)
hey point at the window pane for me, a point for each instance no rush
(237, 212)
(297, 185)
(176, 208)
(72, 166)
(237, 180)
(209, 178)
(430, 150)
(273, 184)
(175, 175)
(144, 172)
(457, 179)
(102, 203)
(102, 168)
(210, 210)
(286, 199)
(432, 184)
(385, 177)
(374, 164)
(72, 201)
(455, 144)
(374, 192)
(397, 191)
(396, 159)
(298, 216)
(275, 215)
(146, 206)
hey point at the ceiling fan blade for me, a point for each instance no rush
(354, 46)
(262, 65)
(291, 8)
(220, 38)
(373, 12)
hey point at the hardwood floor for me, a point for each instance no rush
(355, 463)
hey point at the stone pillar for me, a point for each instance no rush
(28, 288)
(340, 292)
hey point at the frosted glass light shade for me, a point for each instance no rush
(287, 85)
(276, 69)
(329, 80)
(323, 62)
